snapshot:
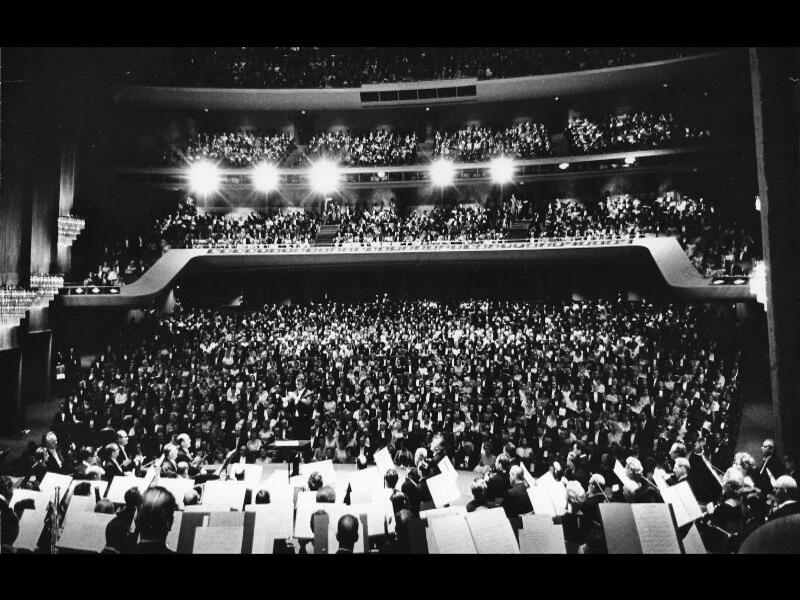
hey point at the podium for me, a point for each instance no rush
(290, 451)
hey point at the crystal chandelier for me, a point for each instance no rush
(14, 303)
(46, 288)
(758, 282)
(69, 228)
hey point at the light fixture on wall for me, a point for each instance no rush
(69, 228)
(758, 282)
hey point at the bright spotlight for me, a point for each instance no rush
(502, 170)
(442, 173)
(204, 178)
(563, 166)
(265, 177)
(629, 160)
(324, 176)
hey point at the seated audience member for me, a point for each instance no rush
(154, 521)
(347, 534)
(785, 493)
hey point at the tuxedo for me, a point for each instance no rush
(112, 469)
(516, 501)
(774, 466)
(154, 547)
(169, 469)
(789, 508)
(55, 461)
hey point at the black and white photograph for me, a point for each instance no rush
(399, 300)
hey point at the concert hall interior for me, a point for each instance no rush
(399, 300)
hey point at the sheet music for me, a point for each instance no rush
(540, 501)
(226, 518)
(688, 502)
(452, 535)
(492, 532)
(225, 493)
(693, 543)
(443, 512)
(655, 529)
(365, 485)
(383, 460)
(218, 540)
(380, 516)
(40, 500)
(51, 481)
(443, 490)
(177, 487)
(540, 536)
(100, 485)
(85, 531)
(31, 524)
(121, 484)
(174, 533)
(273, 521)
(447, 468)
(323, 467)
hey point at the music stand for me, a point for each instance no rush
(290, 450)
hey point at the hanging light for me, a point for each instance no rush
(69, 228)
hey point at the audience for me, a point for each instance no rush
(378, 148)
(631, 131)
(310, 67)
(481, 144)
(233, 150)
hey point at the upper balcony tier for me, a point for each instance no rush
(668, 71)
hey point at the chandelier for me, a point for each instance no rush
(69, 228)
(758, 282)
(14, 303)
(46, 288)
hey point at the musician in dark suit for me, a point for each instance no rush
(111, 464)
(769, 462)
(56, 463)
(516, 501)
(347, 534)
(126, 462)
(154, 521)
(785, 491)
(169, 465)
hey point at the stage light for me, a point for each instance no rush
(265, 177)
(629, 160)
(717, 281)
(758, 203)
(442, 173)
(739, 281)
(563, 166)
(501, 170)
(204, 178)
(324, 176)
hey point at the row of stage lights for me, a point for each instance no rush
(324, 175)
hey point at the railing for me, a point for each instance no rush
(432, 246)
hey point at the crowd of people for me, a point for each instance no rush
(235, 149)
(313, 67)
(631, 131)
(567, 389)
(481, 144)
(715, 244)
(384, 224)
(377, 148)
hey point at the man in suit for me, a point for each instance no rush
(785, 491)
(347, 534)
(154, 521)
(125, 461)
(770, 465)
(516, 501)
(55, 460)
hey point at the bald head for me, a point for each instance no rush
(785, 489)
(347, 532)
